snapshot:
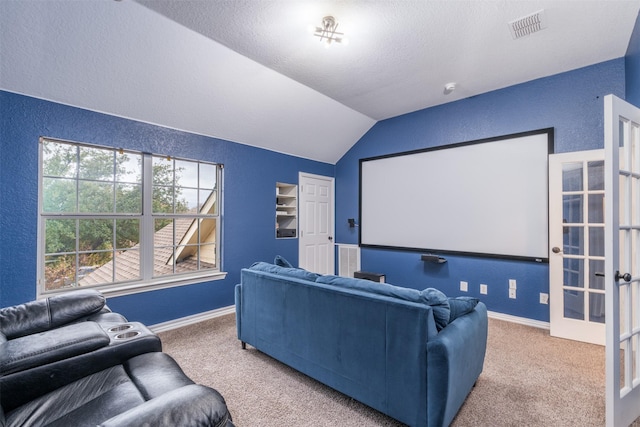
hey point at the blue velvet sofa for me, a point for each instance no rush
(413, 355)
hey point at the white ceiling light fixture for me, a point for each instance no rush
(327, 32)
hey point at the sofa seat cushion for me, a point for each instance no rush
(122, 392)
(92, 399)
(297, 273)
(429, 296)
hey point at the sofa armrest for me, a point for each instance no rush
(20, 387)
(41, 315)
(192, 405)
(455, 358)
(33, 350)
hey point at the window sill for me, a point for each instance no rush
(123, 289)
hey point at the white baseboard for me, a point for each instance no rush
(521, 320)
(195, 318)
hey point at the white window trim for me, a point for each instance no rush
(156, 284)
(138, 286)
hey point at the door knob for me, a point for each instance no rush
(556, 250)
(626, 276)
(330, 238)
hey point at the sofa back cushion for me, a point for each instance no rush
(429, 296)
(37, 316)
(282, 261)
(459, 306)
(298, 273)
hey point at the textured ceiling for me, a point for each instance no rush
(401, 53)
(248, 70)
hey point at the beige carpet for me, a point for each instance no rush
(529, 379)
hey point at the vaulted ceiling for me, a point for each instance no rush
(249, 71)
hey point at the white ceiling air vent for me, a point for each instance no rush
(529, 24)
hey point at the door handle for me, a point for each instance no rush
(556, 250)
(330, 238)
(626, 276)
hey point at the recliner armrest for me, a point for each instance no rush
(19, 387)
(192, 405)
(41, 315)
(34, 350)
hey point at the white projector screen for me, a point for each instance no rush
(486, 197)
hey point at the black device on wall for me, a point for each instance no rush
(374, 277)
(286, 232)
(436, 259)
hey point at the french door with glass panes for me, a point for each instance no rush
(622, 266)
(576, 236)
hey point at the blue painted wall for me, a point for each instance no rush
(632, 63)
(571, 103)
(248, 230)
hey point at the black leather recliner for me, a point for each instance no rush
(68, 360)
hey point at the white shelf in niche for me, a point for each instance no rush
(286, 210)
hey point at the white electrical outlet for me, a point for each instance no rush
(512, 284)
(464, 286)
(483, 289)
(512, 293)
(544, 298)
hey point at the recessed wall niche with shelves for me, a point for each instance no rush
(286, 210)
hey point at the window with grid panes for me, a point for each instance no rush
(112, 217)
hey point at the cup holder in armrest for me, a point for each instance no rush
(120, 328)
(126, 335)
(131, 334)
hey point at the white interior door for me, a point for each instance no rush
(576, 237)
(316, 245)
(622, 278)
